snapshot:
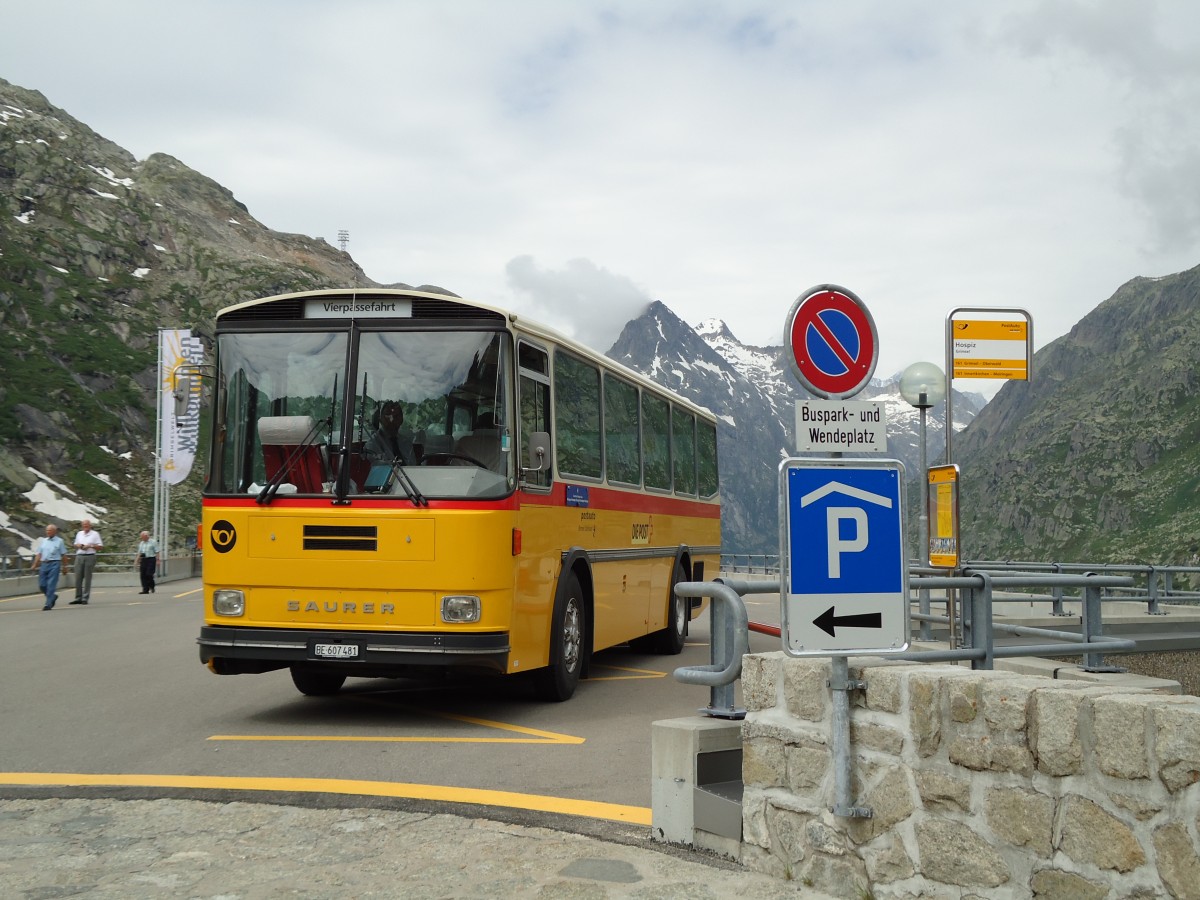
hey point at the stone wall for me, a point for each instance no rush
(981, 784)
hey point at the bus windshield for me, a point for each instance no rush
(422, 413)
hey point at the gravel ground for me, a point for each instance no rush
(1183, 667)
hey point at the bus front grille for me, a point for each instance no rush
(341, 537)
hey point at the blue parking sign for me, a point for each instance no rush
(844, 565)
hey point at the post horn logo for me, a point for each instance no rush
(222, 536)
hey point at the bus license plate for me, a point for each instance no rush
(335, 651)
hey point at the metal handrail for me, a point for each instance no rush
(729, 643)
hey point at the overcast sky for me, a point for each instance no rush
(574, 160)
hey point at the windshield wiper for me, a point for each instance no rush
(410, 488)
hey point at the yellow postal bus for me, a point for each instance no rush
(402, 482)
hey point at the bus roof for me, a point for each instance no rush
(516, 323)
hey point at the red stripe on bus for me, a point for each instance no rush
(630, 501)
(598, 498)
(397, 501)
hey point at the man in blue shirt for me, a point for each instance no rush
(48, 562)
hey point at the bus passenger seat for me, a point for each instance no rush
(281, 436)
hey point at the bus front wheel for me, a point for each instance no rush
(557, 682)
(316, 684)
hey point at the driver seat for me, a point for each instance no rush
(483, 443)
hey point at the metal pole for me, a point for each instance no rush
(923, 521)
(949, 385)
(982, 636)
(1092, 627)
(840, 687)
(160, 486)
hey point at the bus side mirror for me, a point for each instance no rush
(539, 451)
(182, 394)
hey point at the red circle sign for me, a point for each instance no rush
(834, 345)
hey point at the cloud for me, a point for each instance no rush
(721, 156)
(582, 300)
(1147, 56)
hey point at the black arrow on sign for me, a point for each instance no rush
(827, 621)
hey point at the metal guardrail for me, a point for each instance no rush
(730, 625)
(106, 561)
(119, 570)
(1152, 583)
(750, 563)
(979, 627)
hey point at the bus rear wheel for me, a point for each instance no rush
(316, 684)
(557, 682)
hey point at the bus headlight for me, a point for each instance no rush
(229, 603)
(460, 608)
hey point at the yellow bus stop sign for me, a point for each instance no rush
(988, 348)
(943, 549)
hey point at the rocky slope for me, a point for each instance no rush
(98, 251)
(1097, 456)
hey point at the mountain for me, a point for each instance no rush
(754, 393)
(1097, 456)
(98, 251)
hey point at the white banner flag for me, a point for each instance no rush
(179, 358)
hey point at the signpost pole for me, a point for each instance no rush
(840, 685)
(856, 513)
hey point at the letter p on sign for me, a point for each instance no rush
(834, 516)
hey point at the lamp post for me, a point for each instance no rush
(923, 385)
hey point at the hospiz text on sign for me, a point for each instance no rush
(839, 426)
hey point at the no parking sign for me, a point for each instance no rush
(834, 345)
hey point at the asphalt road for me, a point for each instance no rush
(114, 694)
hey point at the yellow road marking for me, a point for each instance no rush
(18, 597)
(535, 736)
(592, 809)
(637, 673)
(395, 739)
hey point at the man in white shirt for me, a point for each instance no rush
(147, 562)
(87, 544)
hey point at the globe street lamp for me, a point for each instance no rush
(923, 385)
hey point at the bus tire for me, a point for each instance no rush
(557, 682)
(312, 683)
(668, 641)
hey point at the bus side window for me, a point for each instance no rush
(622, 447)
(656, 442)
(577, 415)
(706, 459)
(533, 387)
(683, 450)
